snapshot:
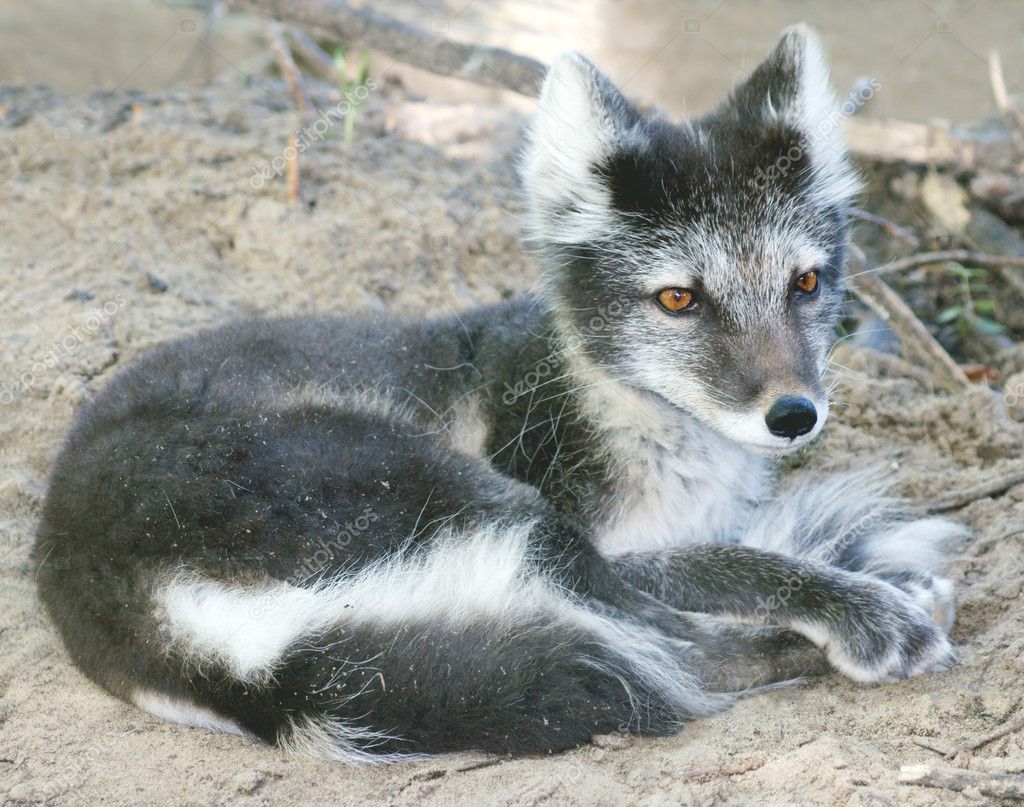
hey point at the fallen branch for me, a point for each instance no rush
(1002, 99)
(941, 256)
(990, 487)
(706, 774)
(891, 227)
(915, 339)
(202, 44)
(994, 785)
(992, 736)
(337, 21)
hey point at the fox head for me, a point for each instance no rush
(699, 262)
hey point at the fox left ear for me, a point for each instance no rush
(792, 87)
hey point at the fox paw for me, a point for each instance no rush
(886, 633)
(934, 594)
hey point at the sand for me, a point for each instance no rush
(130, 219)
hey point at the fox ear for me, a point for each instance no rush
(581, 120)
(792, 87)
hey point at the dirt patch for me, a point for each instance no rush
(131, 219)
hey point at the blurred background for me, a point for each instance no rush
(929, 56)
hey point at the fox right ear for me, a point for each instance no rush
(792, 87)
(581, 119)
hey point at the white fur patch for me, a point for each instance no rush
(177, 710)
(339, 740)
(249, 627)
(467, 430)
(677, 482)
(460, 578)
(571, 132)
(913, 545)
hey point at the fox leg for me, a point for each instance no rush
(725, 655)
(870, 629)
(850, 521)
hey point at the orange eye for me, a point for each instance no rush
(808, 282)
(676, 299)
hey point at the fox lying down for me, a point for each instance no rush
(532, 523)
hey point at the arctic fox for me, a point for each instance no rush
(536, 522)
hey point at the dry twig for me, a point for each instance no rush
(996, 734)
(311, 54)
(917, 342)
(990, 487)
(994, 785)
(275, 38)
(891, 227)
(1002, 99)
(965, 256)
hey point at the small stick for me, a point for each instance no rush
(891, 227)
(294, 179)
(998, 83)
(915, 339)
(202, 44)
(275, 38)
(983, 490)
(731, 768)
(994, 785)
(315, 57)
(928, 746)
(985, 739)
(476, 766)
(1002, 99)
(941, 256)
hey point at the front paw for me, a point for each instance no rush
(934, 594)
(883, 634)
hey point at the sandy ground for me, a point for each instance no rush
(131, 219)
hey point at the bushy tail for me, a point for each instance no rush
(851, 520)
(463, 645)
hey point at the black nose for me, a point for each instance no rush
(791, 416)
